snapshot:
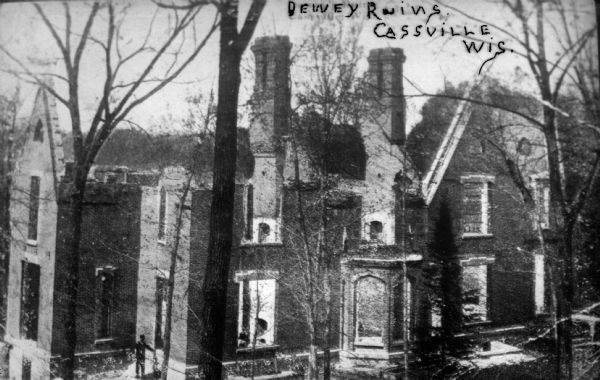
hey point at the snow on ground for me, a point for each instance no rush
(499, 354)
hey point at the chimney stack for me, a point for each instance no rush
(385, 73)
(271, 92)
(268, 125)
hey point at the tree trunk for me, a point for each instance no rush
(5, 182)
(327, 333)
(565, 305)
(171, 281)
(313, 367)
(560, 243)
(214, 288)
(72, 276)
(253, 354)
(6, 143)
(328, 257)
(328, 324)
(327, 363)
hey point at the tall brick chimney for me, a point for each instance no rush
(271, 96)
(268, 125)
(385, 73)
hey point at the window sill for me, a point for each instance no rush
(373, 243)
(254, 243)
(478, 323)
(32, 243)
(398, 343)
(262, 348)
(368, 345)
(30, 341)
(368, 342)
(470, 235)
(103, 341)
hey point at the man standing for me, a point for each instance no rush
(140, 356)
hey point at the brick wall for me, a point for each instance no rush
(510, 277)
(199, 234)
(155, 258)
(110, 238)
(286, 260)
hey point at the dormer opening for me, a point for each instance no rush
(38, 133)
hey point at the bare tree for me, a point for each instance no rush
(328, 109)
(179, 219)
(214, 287)
(200, 122)
(120, 94)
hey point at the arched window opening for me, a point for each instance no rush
(370, 311)
(162, 210)
(104, 300)
(474, 289)
(256, 313)
(402, 310)
(34, 206)
(264, 230)
(524, 147)
(249, 211)
(476, 205)
(376, 231)
(38, 133)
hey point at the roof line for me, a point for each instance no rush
(54, 135)
(446, 151)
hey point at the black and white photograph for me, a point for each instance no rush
(300, 189)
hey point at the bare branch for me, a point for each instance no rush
(515, 173)
(582, 195)
(67, 28)
(191, 4)
(103, 106)
(84, 37)
(36, 79)
(561, 77)
(119, 114)
(188, 17)
(482, 103)
(495, 26)
(247, 31)
(170, 78)
(59, 42)
(41, 74)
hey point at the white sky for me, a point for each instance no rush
(429, 61)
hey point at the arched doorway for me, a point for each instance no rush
(370, 311)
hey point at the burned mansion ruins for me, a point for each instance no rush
(379, 200)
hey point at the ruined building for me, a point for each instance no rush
(380, 210)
